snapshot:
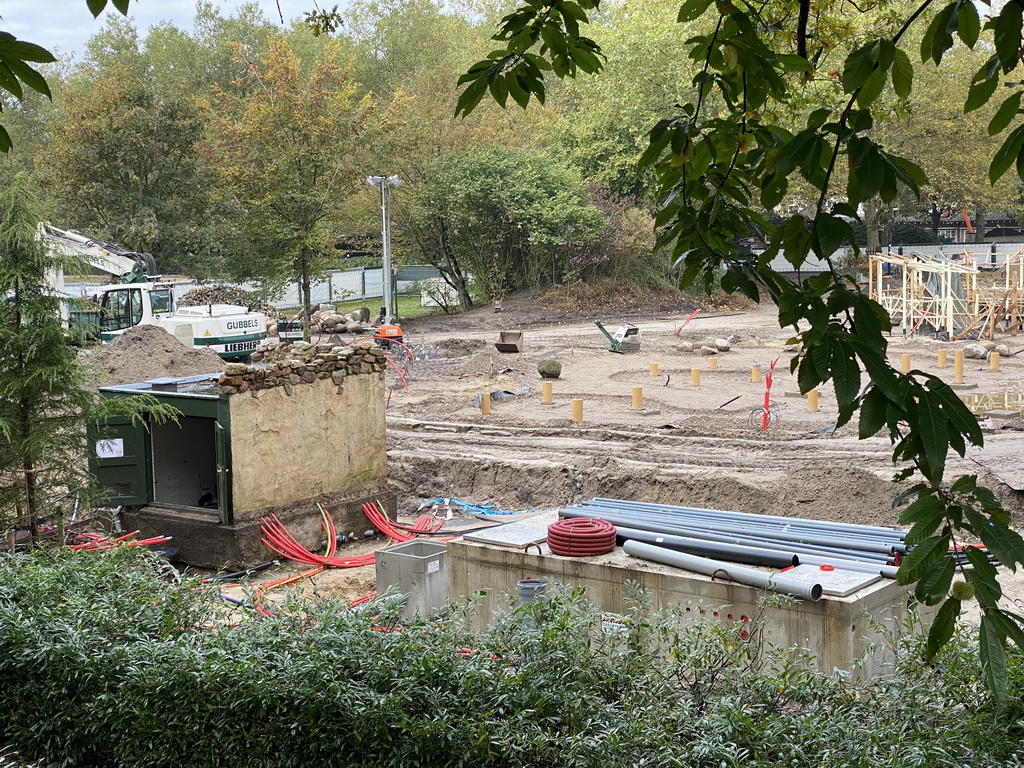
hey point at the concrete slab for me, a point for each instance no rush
(836, 582)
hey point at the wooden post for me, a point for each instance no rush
(546, 392)
(941, 362)
(695, 376)
(812, 401)
(485, 403)
(652, 369)
(712, 363)
(905, 363)
(638, 398)
(577, 409)
(755, 375)
(958, 366)
(993, 361)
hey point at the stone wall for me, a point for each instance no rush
(307, 424)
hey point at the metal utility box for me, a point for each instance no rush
(418, 569)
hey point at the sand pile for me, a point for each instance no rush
(148, 352)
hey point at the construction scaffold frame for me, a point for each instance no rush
(943, 295)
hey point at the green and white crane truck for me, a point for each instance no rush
(139, 297)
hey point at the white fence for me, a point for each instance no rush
(362, 283)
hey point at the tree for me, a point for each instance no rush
(499, 215)
(291, 151)
(45, 394)
(124, 162)
(724, 156)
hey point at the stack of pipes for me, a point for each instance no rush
(765, 540)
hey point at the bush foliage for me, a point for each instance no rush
(104, 664)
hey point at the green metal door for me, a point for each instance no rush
(222, 444)
(119, 459)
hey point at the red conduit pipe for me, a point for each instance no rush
(581, 537)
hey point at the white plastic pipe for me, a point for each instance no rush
(715, 568)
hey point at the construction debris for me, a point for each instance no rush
(225, 294)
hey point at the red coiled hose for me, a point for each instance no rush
(581, 537)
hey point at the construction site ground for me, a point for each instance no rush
(692, 445)
(689, 445)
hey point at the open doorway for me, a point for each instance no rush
(185, 463)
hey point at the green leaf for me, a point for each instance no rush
(902, 74)
(1005, 114)
(922, 559)
(992, 651)
(943, 626)
(1006, 155)
(5, 140)
(983, 576)
(858, 66)
(692, 10)
(1006, 34)
(845, 373)
(1009, 624)
(871, 89)
(499, 91)
(830, 232)
(926, 508)
(930, 425)
(933, 586)
(1004, 543)
(968, 24)
(96, 6)
(939, 36)
(955, 410)
(797, 152)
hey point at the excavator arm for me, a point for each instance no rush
(123, 265)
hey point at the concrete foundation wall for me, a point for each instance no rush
(834, 630)
(295, 443)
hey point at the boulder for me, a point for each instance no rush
(549, 368)
(975, 352)
(1003, 350)
(723, 345)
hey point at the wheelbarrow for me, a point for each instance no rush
(625, 339)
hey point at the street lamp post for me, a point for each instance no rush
(386, 183)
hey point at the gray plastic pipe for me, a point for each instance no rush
(714, 568)
(734, 553)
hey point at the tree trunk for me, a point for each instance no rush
(979, 225)
(307, 330)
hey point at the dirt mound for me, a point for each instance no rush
(148, 352)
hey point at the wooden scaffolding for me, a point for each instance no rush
(966, 295)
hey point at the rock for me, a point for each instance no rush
(685, 346)
(708, 351)
(975, 352)
(364, 314)
(989, 345)
(549, 368)
(353, 327)
(328, 308)
(1003, 350)
(722, 345)
(236, 369)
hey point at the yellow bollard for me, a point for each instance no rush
(812, 401)
(941, 362)
(638, 398)
(905, 363)
(712, 362)
(546, 393)
(653, 369)
(695, 376)
(993, 361)
(755, 375)
(577, 409)
(485, 403)
(958, 367)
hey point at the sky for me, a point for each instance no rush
(64, 25)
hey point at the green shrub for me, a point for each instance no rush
(104, 664)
